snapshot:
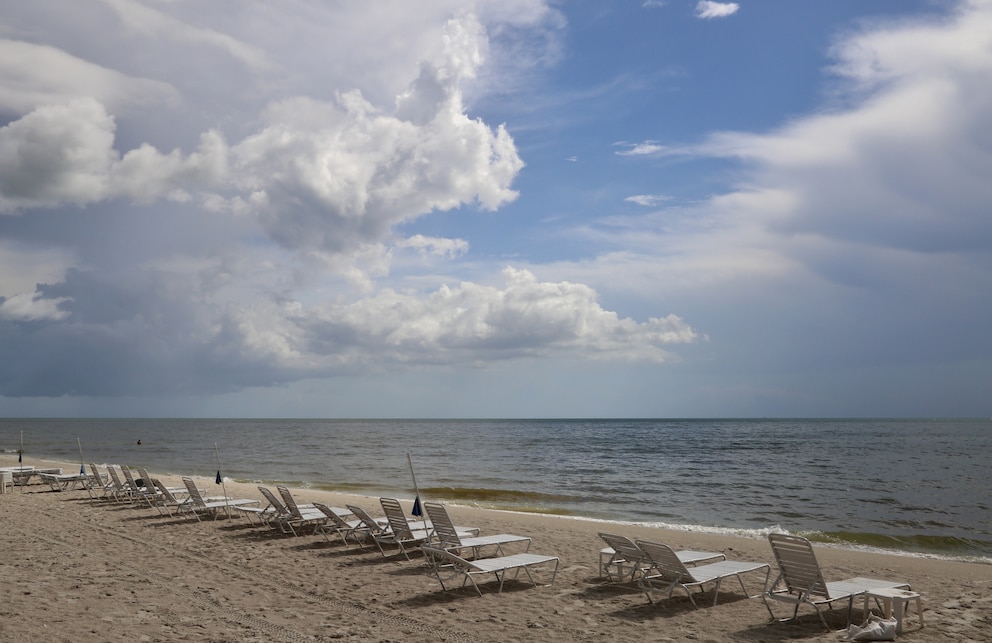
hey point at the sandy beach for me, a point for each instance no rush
(78, 569)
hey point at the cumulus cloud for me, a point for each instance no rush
(57, 154)
(137, 335)
(472, 322)
(331, 176)
(214, 262)
(64, 154)
(707, 9)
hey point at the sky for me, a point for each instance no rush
(496, 208)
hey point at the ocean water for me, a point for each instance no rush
(914, 486)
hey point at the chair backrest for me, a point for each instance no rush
(274, 501)
(95, 475)
(797, 565)
(396, 518)
(118, 485)
(194, 493)
(126, 470)
(665, 562)
(336, 519)
(165, 493)
(290, 502)
(624, 547)
(147, 479)
(445, 531)
(370, 523)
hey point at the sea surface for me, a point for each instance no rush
(918, 487)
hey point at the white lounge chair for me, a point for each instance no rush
(400, 532)
(122, 491)
(300, 515)
(99, 482)
(265, 515)
(446, 566)
(135, 492)
(199, 504)
(622, 559)
(168, 500)
(801, 581)
(339, 524)
(279, 519)
(63, 481)
(447, 536)
(667, 572)
(374, 527)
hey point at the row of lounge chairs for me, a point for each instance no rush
(657, 567)
(451, 551)
(454, 552)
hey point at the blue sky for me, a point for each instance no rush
(495, 209)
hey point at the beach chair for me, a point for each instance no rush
(198, 504)
(265, 515)
(168, 500)
(446, 566)
(622, 558)
(801, 581)
(340, 525)
(400, 532)
(150, 492)
(136, 492)
(374, 527)
(63, 481)
(98, 483)
(448, 537)
(300, 515)
(280, 516)
(665, 572)
(122, 492)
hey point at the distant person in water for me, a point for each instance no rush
(139, 443)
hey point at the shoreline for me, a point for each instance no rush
(93, 570)
(819, 539)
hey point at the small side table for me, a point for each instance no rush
(894, 602)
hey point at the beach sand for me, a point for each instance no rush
(76, 569)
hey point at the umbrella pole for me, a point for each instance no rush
(223, 485)
(416, 489)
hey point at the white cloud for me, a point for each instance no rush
(64, 154)
(641, 149)
(31, 307)
(33, 75)
(321, 175)
(22, 267)
(435, 246)
(907, 165)
(707, 9)
(151, 23)
(150, 332)
(57, 154)
(473, 323)
(648, 200)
